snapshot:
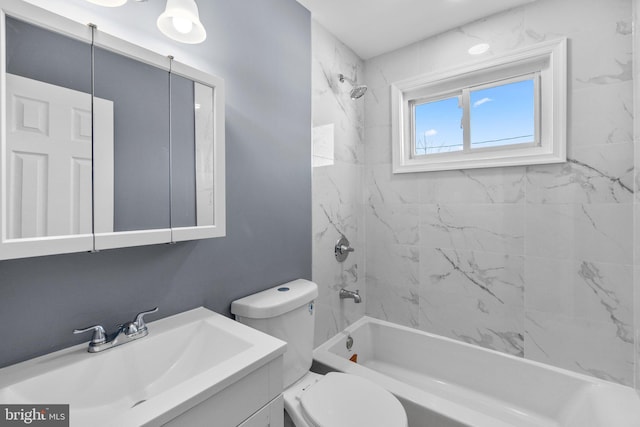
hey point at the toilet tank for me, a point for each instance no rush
(285, 312)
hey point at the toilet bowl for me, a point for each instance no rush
(313, 400)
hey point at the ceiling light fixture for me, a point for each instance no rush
(181, 22)
(479, 49)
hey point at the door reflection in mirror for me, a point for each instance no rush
(48, 155)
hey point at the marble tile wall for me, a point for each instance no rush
(532, 261)
(636, 206)
(338, 201)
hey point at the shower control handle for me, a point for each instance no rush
(342, 249)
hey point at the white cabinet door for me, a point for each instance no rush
(271, 415)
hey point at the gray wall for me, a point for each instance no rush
(263, 51)
(140, 95)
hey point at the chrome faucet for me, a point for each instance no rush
(126, 332)
(351, 294)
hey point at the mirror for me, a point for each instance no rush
(183, 152)
(48, 138)
(104, 144)
(46, 153)
(197, 156)
(131, 143)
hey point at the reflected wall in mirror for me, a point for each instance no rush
(139, 174)
(183, 157)
(192, 153)
(205, 177)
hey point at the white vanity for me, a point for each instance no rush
(196, 368)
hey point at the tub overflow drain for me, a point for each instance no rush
(137, 403)
(349, 342)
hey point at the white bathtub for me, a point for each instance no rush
(443, 382)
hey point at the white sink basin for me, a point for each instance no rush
(184, 360)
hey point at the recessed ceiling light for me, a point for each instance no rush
(479, 49)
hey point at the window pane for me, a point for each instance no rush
(503, 115)
(438, 127)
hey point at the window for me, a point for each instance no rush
(501, 112)
(504, 113)
(437, 126)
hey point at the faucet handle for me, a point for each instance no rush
(99, 334)
(139, 322)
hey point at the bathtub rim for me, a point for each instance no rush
(324, 347)
(457, 412)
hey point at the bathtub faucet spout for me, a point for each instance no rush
(351, 294)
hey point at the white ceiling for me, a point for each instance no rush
(373, 27)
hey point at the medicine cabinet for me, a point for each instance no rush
(103, 144)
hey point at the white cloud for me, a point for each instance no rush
(481, 101)
(431, 132)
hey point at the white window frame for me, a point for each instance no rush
(546, 60)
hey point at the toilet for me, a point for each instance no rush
(313, 400)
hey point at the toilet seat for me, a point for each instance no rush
(344, 400)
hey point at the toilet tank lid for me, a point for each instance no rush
(275, 301)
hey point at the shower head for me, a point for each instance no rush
(358, 90)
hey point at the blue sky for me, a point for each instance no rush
(500, 115)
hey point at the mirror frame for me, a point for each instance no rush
(49, 245)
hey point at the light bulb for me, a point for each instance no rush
(180, 21)
(182, 25)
